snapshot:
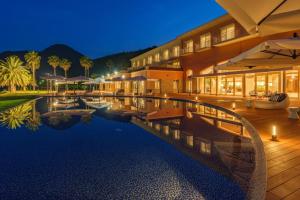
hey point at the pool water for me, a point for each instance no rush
(122, 148)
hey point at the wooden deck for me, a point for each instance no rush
(283, 156)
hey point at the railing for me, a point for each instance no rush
(198, 47)
(187, 51)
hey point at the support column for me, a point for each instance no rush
(244, 85)
(233, 85)
(284, 82)
(217, 85)
(298, 84)
(267, 83)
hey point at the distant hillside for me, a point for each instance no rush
(119, 60)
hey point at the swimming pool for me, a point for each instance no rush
(123, 148)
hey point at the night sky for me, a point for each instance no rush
(99, 27)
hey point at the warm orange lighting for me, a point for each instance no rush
(274, 133)
(233, 106)
(123, 76)
(196, 98)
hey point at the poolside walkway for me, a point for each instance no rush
(283, 156)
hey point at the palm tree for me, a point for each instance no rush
(34, 120)
(86, 63)
(33, 62)
(15, 117)
(13, 73)
(54, 61)
(65, 64)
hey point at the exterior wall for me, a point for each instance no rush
(200, 61)
(196, 62)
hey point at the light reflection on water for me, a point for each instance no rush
(212, 137)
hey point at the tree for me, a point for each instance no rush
(33, 62)
(34, 120)
(54, 62)
(13, 73)
(15, 117)
(86, 63)
(65, 64)
(110, 65)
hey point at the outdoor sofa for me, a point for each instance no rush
(275, 101)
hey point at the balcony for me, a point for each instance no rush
(133, 69)
(198, 47)
(187, 51)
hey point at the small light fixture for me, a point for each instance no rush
(116, 72)
(274, 134)
(196, 98)
(233, 106)
(165, 96)
(123, 76)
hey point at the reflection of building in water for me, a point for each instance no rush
(208, 135)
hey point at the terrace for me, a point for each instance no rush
(282, 155)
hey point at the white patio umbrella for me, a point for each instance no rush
(269, 54)
(264, 16)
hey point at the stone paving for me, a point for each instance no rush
(283, 156)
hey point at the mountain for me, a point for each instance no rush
(119, 61)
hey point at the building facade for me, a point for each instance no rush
(188, 63)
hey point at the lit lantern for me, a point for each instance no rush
(233, 106)
(274, 133)
(196, 98)
(123, 76)
(165, 96)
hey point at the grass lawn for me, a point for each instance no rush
(5, 104)
(9, 100)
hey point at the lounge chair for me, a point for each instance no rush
(149, 92)
(276, 101)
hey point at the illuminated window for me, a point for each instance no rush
(166, 130)
(176, 51)
(144, 61)
(176, 86)
(190, 141)
(205, 40)
(176, 135)
(157, 57)
(138, 63)
(150, 60)
(166, 54)
(157, 85)
(228, 32)
(156, 103)
(189, 46)
(157, 127)
(205, 148)
(292, 83)
(133, 64)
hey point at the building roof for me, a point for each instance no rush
(173, 42)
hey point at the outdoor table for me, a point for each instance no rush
(293, 112)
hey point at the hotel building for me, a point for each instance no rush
(188, 63)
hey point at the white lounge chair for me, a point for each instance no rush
(276, 101)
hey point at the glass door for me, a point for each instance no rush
(292, 83)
